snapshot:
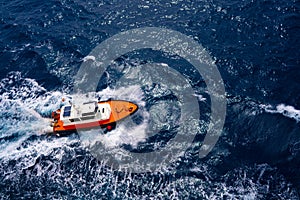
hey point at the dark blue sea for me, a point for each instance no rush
(255, 46)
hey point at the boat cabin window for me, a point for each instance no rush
(87, 118)
(87, 114)
(74, 120)
(67, 111)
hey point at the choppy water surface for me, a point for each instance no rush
(255, 45)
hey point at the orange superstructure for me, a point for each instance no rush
(91, 114)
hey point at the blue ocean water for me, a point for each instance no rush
(255, 45)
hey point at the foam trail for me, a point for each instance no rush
(18, 125)
(285, 110)
(23, 105)
(41, 125)
(121, 135)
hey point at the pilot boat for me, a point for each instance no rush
(91, 114)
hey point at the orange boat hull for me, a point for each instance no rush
(119, 110)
